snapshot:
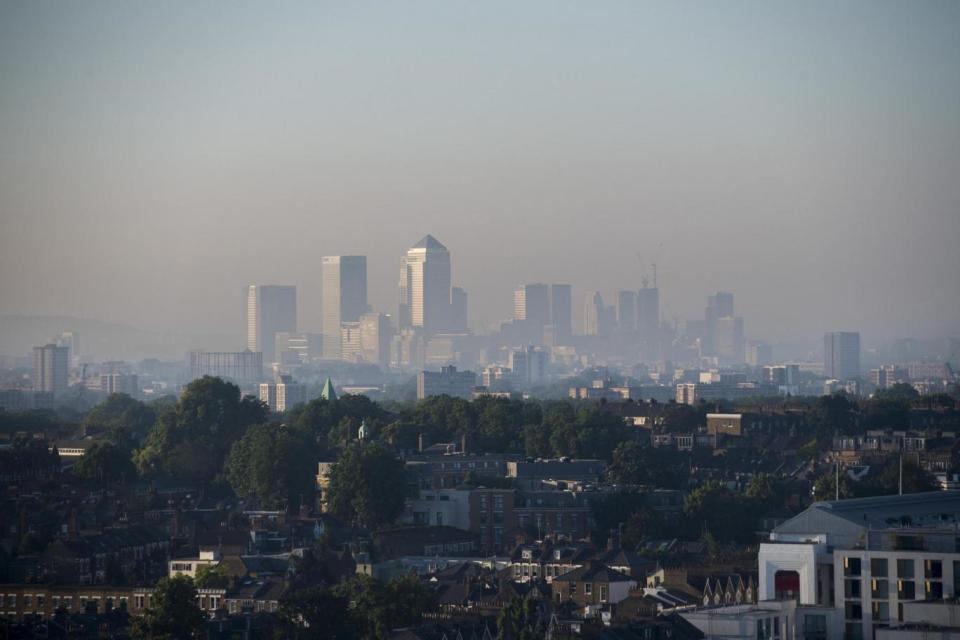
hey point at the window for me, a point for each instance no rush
(573, 588)
(851, 589)
(439, 518)
(879, 589)
(853, 611)
(933, 569)
(851, 566)
(27, 601)
(878, 567)
(498, 503)
(588, 588)
(603, 593)
(904, 568)
(906, 590)
(67, 602)
(934, 590)
(814, 626)
(881, 611)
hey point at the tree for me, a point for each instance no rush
(211, 576)
(519, 620)
(378, 608)
(316, 612)
(191, 440)
(173, 612)
(825, 487)
(915, 480)
(273, 463)
(898, 391)
(367, 485)
(106, 462)
(120, 411)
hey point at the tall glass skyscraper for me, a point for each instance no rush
(425, 287)
(343, 297)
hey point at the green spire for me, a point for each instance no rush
(328, 393)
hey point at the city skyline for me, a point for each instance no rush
(800, 157)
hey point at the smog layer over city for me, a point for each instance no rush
(496, 320)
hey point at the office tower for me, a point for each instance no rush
(425, 287)
(458, 310)
(528, 366)
(841, 355)
(593, 312)
(561, 311)
(270, 309)
(648, 313)
(350, 341)
(70, 340)
(759, 354)
(719, 305)
(50, 369)
(242, 366)
(407, 350)
(297, 348)
(343, 297)
(626, 311)
(375, 337)
(728, 340)
(531, 304)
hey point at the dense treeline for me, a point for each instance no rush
(214, 435)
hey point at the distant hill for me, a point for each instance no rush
(105, 340)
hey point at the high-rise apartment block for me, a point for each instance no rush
(841, 355)
(50, 369)
(269, 309)
(446, 382)
(343, 298)
(283, 395)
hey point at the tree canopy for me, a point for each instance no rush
(367, 485)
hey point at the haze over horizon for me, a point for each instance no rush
(157, 157)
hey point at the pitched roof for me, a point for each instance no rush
(327, 393)
(429, 242)
(594, 572)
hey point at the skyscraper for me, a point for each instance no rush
(270, 309)
(720, 307)
(458, 310)
(648, 321)
(50, 369)
(425, 287)
(841, 355)
(561, 310)
(626, 311)
(375, 337)
(343, 297)
(531, 308)
(593, 312)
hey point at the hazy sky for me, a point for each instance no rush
(156, 156)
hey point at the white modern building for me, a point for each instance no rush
(861, 561)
